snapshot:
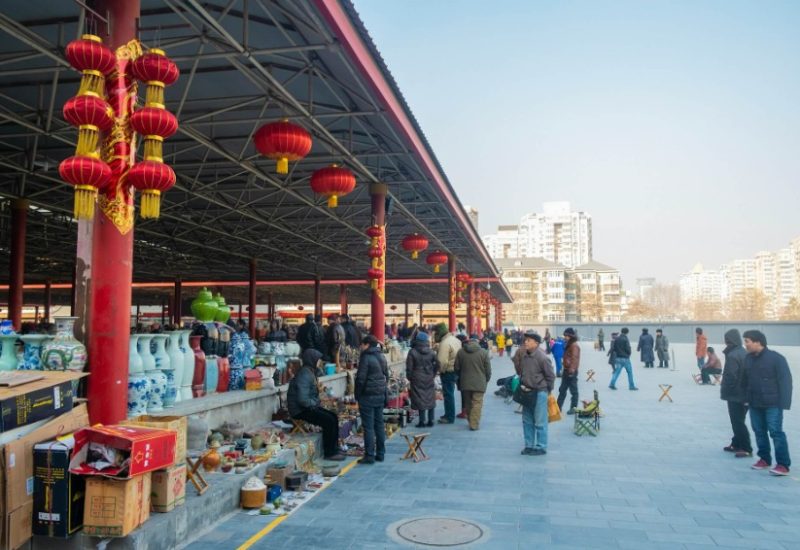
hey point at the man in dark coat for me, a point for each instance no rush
(569, 376)
(421, 368)
(334, 337)
(306, 333)
(769, 392)
(646, 348)
(536, 374)
(621, 350)
(303, 404)
(371, 389)
(732, 390)
(351, 334)
(474, 371)
(662, 349)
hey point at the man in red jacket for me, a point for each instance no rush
(569, 373)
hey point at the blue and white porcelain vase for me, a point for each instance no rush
(64, 352)
(176, 360)
(32, 355)
(188, 365)
(212, 374)
(164, 365)
(138, 382)
(8, 356)
(156, 378)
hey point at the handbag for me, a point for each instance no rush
(525, 396)
(553, 411)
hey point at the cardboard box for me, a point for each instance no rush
(57, 494)
(34, 401)
(277, 476)
(168, 488)
(145, 449)
(16, 481)
(116, 507)
(175, 423)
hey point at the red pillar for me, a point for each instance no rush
(19, 221)
(421, 316)
(405, 316)
(471, 310)
(48, 301)
(452, 304)
(112, 236)
(177, 303)
(342, 300)
(252, 302)
(270, 307)
(378, 193)
(317, 297)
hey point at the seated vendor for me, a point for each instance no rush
(712, 366)
(304, 404)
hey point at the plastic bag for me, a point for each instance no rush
(553, 412)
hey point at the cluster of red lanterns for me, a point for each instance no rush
(376, 252)
(91, 113)
(463, 280)
(151, 176)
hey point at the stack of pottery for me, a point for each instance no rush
(138, 381)
(64, 352)
(199, 378)
(8, 356)
(32, 355)
(188, 364)
(176, 362)
(223, 311)
(204, 306)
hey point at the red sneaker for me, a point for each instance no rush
(760, 465)
(462, 414)
(780, 470)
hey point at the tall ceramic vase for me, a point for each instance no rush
(157, 379)
(64, 352)
(138, 382)
(198, 380)
(176, 360)
(8, 358)
(32, 355)
(164, 364)
(188, 365)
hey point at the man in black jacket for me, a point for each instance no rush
(769, 392)
(371, 388)
(305, 334)
(732, 390)
(621, 349)
(303, 404)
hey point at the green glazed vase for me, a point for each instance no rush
(223, 311)
(204, 307)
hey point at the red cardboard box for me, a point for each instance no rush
(148, 449)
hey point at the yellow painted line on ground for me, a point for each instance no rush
(277, 521)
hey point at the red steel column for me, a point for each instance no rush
(452, 304)
(342, 300)
(317, 296)
(112, 231)
(252, 302)
(405, 316)
(378, 320)
(48, 300)
(177, 303)
(19, 222)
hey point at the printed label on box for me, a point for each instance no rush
(57, 397)
(44, 516)
(29, 486)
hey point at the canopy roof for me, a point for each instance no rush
(243, 63)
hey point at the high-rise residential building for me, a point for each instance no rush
(557, 234)
(701, 285)
(644, 287)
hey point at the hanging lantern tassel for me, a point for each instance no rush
(88, 136)
(333, 201)
(153, 148)
(415, 254)
(86, 175)
(85, 199)
(282, 166)
(436, 268)
(151, 204)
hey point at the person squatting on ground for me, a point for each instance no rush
(569, 374)
(768, 383)
(662, 349)
(371, 392)
(421, 369)
(448, 346)
(622, 354)
(733, 390)
(303, 404)
(700, 347)
(712, 366)
(645, 347)
(536, 373)
(474, 370)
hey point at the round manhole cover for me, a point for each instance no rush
(439, 531)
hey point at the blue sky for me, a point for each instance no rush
(675, 124)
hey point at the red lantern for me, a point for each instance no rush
(376, 253)
(151, 178)
(414, 243)
(155, 124)
(333, 182)
(464, 277)
(283, 141)
(436, 259)
(87, 175)
(375, 275)
(91, 115)
(93, 59)
(393, 307)
(157, 70)
(300, 308)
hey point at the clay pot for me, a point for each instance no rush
(212, 459)
(257, 442)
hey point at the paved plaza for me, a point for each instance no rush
(655, 477)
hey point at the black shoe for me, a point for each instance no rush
(527, 451)
(338, 457)
(443, 420)
(421, 425)
(429, 424)
(537, 452)
(634, 389)
(612, 388)
(367, 460)
(571, 411)
(378, 458)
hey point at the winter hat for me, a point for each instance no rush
(441, 331)
(531, 334)
(310, 357)
(569, 332)
(423, 337)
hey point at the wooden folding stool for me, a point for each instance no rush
(194, 475)
(415, 449)
(590, 375)
(665, 391)
(298, 427)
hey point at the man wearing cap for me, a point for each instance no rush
(535, 372)
(622, 352)
(569, 374)
(446, 351)
(474, 371)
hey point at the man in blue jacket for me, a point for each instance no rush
(768, 384)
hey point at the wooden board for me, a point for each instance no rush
(18, 377)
